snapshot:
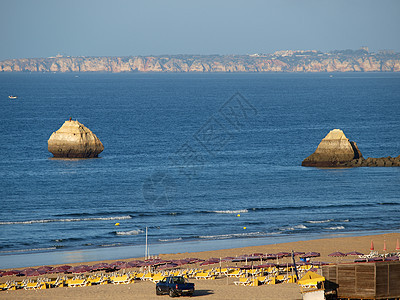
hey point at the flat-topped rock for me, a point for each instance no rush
(74, 140)
(335, 149)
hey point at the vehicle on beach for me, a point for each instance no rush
(175, 286)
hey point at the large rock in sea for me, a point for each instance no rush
(333, 151)
(74, 140)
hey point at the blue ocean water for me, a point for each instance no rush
(185, 154)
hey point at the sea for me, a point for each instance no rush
(191, 162)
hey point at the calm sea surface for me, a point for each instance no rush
(184, 158)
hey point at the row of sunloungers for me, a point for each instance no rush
(251, 277)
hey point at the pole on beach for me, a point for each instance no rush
(146, 250)
(295, 268)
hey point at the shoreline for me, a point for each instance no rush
(203, 249)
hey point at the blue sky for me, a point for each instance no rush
(153, 27)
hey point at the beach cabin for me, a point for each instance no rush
(373, 280)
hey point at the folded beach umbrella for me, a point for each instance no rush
(337, 254)
(397, 245)
(372, 246)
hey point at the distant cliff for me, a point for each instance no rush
(280, 61)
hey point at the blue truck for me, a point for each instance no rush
(174, 286)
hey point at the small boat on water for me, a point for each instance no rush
(12, 97)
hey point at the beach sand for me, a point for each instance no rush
(220, 288)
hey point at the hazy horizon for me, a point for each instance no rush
(124, 28)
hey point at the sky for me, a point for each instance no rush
(45, 28)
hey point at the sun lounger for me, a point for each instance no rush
(11, 286)
(77, 282)
(253, 282)
(39, 285)
(243, 281)
(204, 275)
(271, 280)
(247, 281)
(157, 277)
(253, 272)
(147, 276)
(281, 278)
(236, 273)
(262, 279)
(124, 279)
(138, 276)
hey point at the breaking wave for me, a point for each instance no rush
(65, 220)
(170, 240)
(319, 221)
(131, 232)
(230, 211)
(335, 228)
(231, 235)
(300, 226)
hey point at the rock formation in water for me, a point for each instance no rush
(335, 150)
(74, 140)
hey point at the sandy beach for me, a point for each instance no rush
(222, 288)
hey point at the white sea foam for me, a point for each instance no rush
(232, 235)
(131, 232)
(110, 245)
(230, 211)
(320, 221)
(28, 250)
(335, 228)
(300, 226)
(170, 240)
(66, 220)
